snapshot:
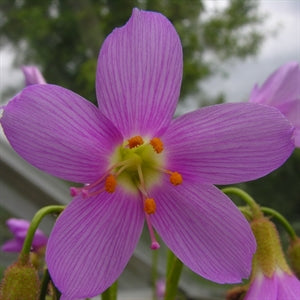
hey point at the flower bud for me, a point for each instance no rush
(271, 276)
(294, 256)
(20, 282)
(269, 255)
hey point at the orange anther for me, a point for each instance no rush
(149, 206)
(135, 141)
(175, 178)
(157, 144)
(110, 183)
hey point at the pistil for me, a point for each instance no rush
(154, 243)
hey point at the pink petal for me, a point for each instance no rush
(12, 246)
(264, 288)
(21, 234)
(59, 132)
(291, 110)
(92, 242)
(288, 287)
(39, 240)
(228, 143)
(33, 75)
(205, 230)
(15, 225)
(283, 85)
(139, 74)
(19, 228)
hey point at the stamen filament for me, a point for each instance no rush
(74, 191)
(96, 192)
(124, 167)
(175, 177)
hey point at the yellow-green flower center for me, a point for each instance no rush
(137, 167)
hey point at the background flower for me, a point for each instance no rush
(33, 75)
(271, 279)
(282, 90)
(280, 286)
(19, 229)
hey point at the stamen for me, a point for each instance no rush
(110, 183)
(135, 141)
(107, 179)
(175, 178)
(157, 144)
(149, 206)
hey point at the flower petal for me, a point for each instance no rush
(33, 75)
(16, 225)
(92, 242)
(59, 132)
(39, 240)
(291, 110)
(228, 143)
(205, 230)
(288, 287)
(139, 74)
(283, 85)
(12, 246)
(263, 288)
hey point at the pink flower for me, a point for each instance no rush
(19, 229)
(271, 279)
(280, 286)
(282, 90)
(142, 165)
(160, 288)
(33, 75)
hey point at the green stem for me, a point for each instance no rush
(284, 222)
(111, 293)
(174, 268)
(57, 293)
(246, 212)
(44, 285)
(24, 255)
(170, 258)
(246, 197)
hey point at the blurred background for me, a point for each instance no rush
(229, 46)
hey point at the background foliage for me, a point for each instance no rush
(64, 37)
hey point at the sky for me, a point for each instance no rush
(283, 15)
